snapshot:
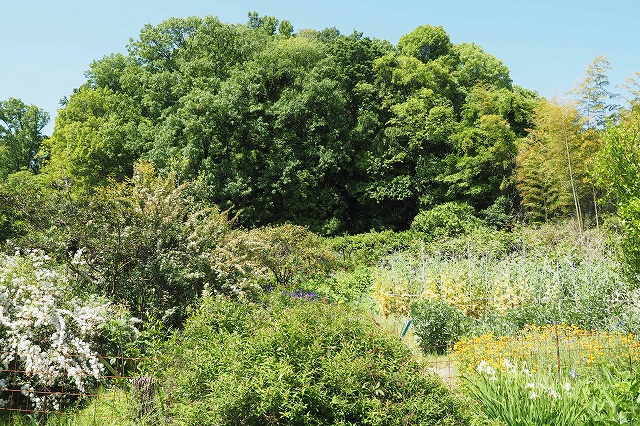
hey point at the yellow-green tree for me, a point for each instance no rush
(552, 164)
(96, 137)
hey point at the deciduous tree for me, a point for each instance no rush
(20, 135)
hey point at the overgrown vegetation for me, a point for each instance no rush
(292, 361)
(258, 200)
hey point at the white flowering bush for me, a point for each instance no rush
(49, 337)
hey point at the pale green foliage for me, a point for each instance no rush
(502, 281)
(617, 168)
(632, 89)
(96, 137)
(291, 254)
(437, 325)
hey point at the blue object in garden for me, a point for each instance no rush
(406, 328)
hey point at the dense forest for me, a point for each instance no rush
(232, 160)
(340, 134)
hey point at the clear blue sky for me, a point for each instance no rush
(47, 45)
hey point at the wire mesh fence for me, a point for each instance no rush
(120, 395)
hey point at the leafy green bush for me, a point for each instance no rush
(291, 254)
(437, 325)
(446, 220)
(499, 215)
(294, 362)
(613, 398)
(368, 248)
(350, 286)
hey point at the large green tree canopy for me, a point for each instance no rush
(340, 133)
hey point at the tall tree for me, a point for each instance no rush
(96, 137)
(632, 89)
(20, 135)
(593, 95)
(552, 163)
(476, 66)
(425, 43)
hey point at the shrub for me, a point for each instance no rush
(291, 254)
(446, 220)
(350, 287)
(370, 247)
(294, 362)
(146, 243)
(499, 215)
(437, 325)
(49, 337)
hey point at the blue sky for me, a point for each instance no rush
(48, 45)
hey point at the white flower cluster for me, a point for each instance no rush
(48, 337)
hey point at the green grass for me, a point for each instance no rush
(109, 408)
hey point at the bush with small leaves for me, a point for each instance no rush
(446, 220)
(291, 254)
(293, 361)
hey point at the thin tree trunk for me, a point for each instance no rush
(595, 207)
(573, 185)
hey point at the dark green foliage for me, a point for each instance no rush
(499, 215)
(437, 325)
(297, 363)
(340, 134)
